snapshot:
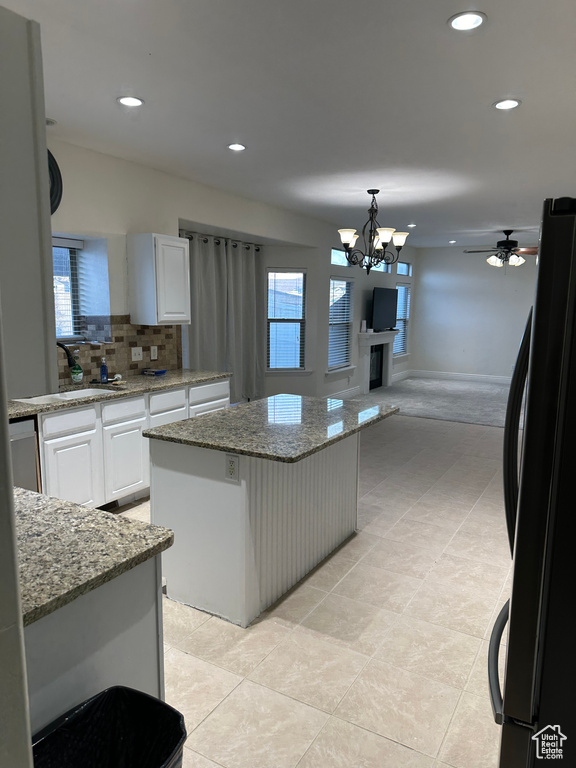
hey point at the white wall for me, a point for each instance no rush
(107, 196)
(470, 316)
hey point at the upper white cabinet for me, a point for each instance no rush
(158, 279)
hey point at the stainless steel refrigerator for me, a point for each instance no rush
(537, 703)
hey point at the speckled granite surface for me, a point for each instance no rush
(66, 550)
(133, 385)
(280, 428)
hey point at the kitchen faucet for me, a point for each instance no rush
(71, 361)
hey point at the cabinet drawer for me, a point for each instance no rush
(168, 417)
(121, 410)
(212, 391)
(68, 422)
(213, 405)
(167, 401)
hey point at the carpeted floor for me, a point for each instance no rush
(447, 400)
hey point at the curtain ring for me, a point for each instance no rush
(204, 239)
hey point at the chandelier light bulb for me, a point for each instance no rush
(399, 238)
(385, 234)
(347, 236)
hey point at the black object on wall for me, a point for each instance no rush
(55, 183)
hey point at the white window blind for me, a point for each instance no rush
(340, 323)
(402, 319)
(286, 319)
(66, 290)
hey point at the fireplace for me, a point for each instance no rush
(376, 358)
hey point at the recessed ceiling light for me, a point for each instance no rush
(236, 147)
(130, 101)
(451, 242)
(507, 104)
(410, 225)
(464, 22)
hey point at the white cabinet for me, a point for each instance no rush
(72, 456)
(97, 454)
(206, 398)
(158, 279)
(126, 452)
(167, 407)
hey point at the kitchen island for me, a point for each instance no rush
(90, 586)
(257, 496)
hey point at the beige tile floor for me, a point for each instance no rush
(378, 658)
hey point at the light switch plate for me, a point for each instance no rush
(153, 353)
(136, 354)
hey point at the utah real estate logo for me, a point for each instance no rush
(549, 743)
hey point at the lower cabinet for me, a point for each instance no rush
(96, 454)
(126, 452)
(72, 463)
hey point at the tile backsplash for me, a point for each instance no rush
(112, 337)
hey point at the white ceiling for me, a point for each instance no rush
(330, 97)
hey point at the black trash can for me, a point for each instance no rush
(118, 728)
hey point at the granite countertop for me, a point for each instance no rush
(280, 428)
(66, 550)
(133, 385)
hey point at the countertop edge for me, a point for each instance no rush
(136, 385)
(39, 612)
(293, 459)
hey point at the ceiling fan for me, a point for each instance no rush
(506, 252)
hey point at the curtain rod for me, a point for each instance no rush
(218, 239)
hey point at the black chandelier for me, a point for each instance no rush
(376, 240)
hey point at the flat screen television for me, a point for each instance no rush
(384, 305)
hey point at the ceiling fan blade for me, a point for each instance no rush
(489, 250)
(527, 251)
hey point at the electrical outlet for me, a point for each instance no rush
(232, 468)
(153, 353)
(136, 354)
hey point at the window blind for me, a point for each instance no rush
(403, 316)
(66, 293)
(340, 323)
(286, 319)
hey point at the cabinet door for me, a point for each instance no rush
(172, 280)
(213, 405)
(126, 458)
(73, 468)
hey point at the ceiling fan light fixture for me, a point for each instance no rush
(507, 104)
(467, 20)
(495, 261)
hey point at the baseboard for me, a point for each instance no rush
(345, 394)
(401, 375)
(477, 377)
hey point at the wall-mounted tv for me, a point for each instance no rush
(384, 305)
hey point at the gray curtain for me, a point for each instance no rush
(228, 329)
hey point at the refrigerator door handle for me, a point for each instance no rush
(511, 429)
(493, 655)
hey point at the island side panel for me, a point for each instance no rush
(208, 566)
(299, 513)
(109, 636)
(239, 546)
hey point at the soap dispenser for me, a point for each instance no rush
(76, 371)
(104, 372)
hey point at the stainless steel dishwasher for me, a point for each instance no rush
(24, 450)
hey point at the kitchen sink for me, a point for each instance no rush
(59, 397)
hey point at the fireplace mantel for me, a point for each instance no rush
(367, 340)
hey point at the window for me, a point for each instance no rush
(81, 287)
(66, 294)
(404, 268)
(383, 267)
(286, 319)
(338, 258)
(403, 316)
(340, 323)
